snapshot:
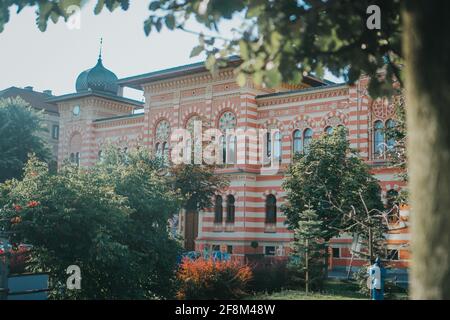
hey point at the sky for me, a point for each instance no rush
(53, 59)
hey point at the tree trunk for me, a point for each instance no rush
(307, 267)
(426, 28)
(370, 246)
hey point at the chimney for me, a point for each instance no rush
(29, 88)
(48, 92)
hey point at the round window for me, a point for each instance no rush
(76, 110)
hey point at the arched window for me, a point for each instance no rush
(165, 152)
(227, 124)
(297, 145)
(125, 156)
(307, 138)
(392, 205)
(390, 142)
(341, 126)
(190, 143)
(271, 209)
(378, 138)
(218, 210)
(188, 152)
(75, 147)
(77, 159)
(100, 156)
(268, 145)
(158, 151)
(223, 143)
(230, 209)
(232, 149)
(277, 147)
(329, 130)
(163, 130)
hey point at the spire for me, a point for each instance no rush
(101, 48)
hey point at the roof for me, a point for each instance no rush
(136, 82)
(127, 116)
(97, 78)
(72, 96)
(37, 100)
(293, 92)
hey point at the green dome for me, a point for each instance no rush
(97, 79)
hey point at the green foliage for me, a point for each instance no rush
(254, 244)
(197, 185)
(333, 290)
(397, 155)
(111, 221)
(332, 180)
(20, 126)
(308, 252)
(277, 40)
(283, 40)
(53, 10)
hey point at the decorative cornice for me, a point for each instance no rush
(118, 122)
(185, 81)
(300, 96)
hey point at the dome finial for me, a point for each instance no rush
(101, 48)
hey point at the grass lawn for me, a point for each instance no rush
(334, 290)
(300, 295)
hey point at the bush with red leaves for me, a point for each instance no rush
(212, 280)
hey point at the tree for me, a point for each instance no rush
(397, 154)
(370, 243)
(137, 176)
(283, 39)
(197, 185)
(111, 221)
(330, 178)
(307, 265)
(19, 135)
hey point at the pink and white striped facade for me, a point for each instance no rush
(176, 95)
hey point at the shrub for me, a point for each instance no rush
(110, 220)
(208, 279)
(269, 277)
(296, 270)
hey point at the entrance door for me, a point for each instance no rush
(191, 230)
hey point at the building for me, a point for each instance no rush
(249, 211)
(39, 101)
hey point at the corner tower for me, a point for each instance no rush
(97, 97)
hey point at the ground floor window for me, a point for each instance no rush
(269, 250)
(392, 255)
(336, 252)
(230, 249)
